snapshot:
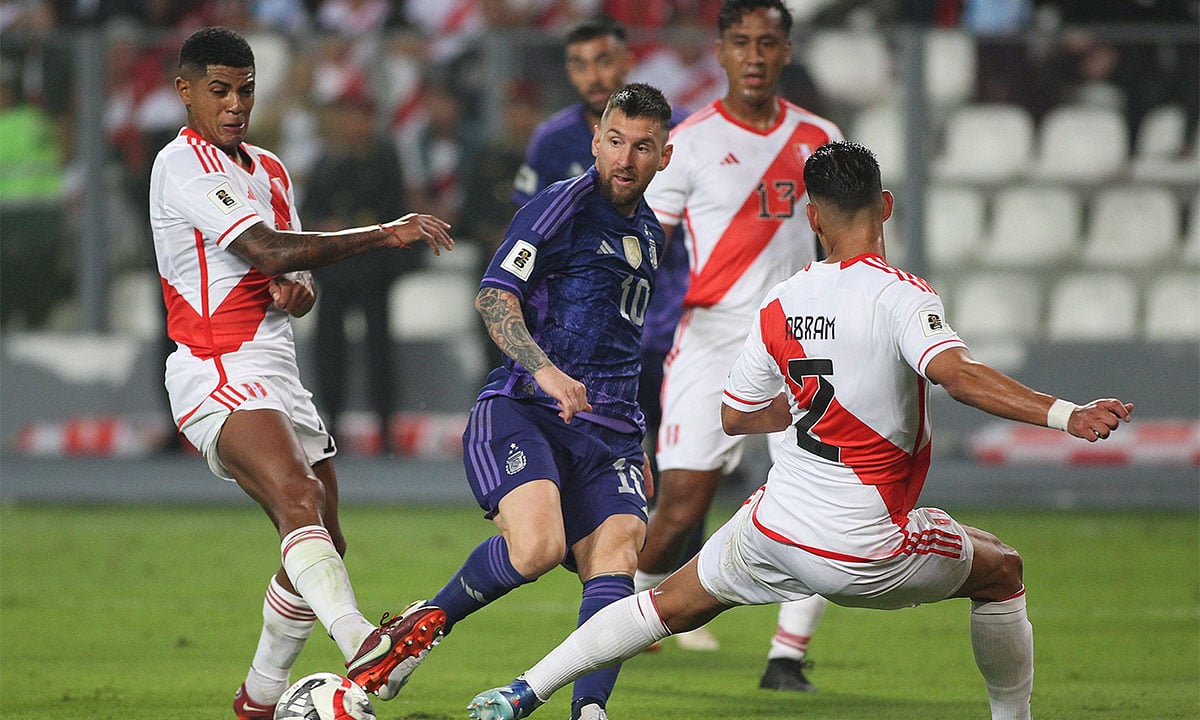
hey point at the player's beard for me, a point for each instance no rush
(622, 196)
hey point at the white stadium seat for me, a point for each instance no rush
(1134, 225)
(986, 143)
(954, 225)
(1173, 308)
(881, 128)
(1162, 133)
(1093, 306)
(136, 304)
(1082, 143)
(996, 307)
(852, 67)
(950, 58)
(1034, 226)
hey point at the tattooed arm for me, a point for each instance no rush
(279, 251)
(505, 323)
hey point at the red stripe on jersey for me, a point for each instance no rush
(735, 398)
(756, 222)
(876, 261)
(279, 190)
(875, 460)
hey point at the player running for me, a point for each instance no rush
(553, 444)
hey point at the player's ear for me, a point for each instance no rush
(814, 217)
(595, 141)
(666, 157)
(184, 89)
(889, 202)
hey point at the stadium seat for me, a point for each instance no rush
(954, 225)
(881, 128)
(986, 143)
(1173, 307)
(136, 304)
(996, 306)
(1132, 225)
(1160, 148)
(852, 67)
(433, 304)
(950, 58)
(1082, 143)
(1034, 226)
(1163, 132)
(1093, 306)
(272, 62)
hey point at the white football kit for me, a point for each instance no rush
(848, 344)
(234, 349)
(740, 194)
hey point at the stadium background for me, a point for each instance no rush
(1044, 156)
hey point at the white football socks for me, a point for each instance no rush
(647, 581)
(1002, 639)
(287, 623)
(318, 573)
(615, 633)
(798, 621)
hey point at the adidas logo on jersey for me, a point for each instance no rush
(605, 249)
(729, 159)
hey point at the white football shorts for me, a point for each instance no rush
(203, 428)
(740, 565)
(690, 435)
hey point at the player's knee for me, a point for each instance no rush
(534, 557)
(303, 502)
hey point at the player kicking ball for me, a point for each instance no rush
(841, 356)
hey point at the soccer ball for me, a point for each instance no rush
(324, 696)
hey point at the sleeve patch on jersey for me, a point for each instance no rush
(520, 259)
(224, 199)
(933, 324)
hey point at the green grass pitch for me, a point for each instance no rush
(147, 612)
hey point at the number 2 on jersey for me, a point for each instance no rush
(820, 368)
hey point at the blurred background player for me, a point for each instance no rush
(553, 446)
(234, 267)
(356, 181)
(737, 186)
(598, 59)
(837, 515)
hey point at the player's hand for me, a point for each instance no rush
(647, 476)
(415, 227)
(293, 293)
(569, 392)
(1096, 420)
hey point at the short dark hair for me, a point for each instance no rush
(733, 10)
(595, 27)
(845, 174)
(641, 100)
(214, 46)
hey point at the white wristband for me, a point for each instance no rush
(1059, 414)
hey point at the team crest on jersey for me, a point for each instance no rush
(933, 324)
(516, 460)
(633, 251)
(223, 197)
(519, 260)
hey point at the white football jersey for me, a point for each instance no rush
(740, 193)
(219, 309)
(848, 343)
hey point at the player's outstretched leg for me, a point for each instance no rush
(403, 639)
(510, 702)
